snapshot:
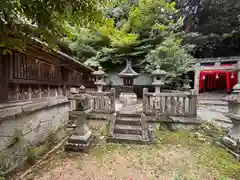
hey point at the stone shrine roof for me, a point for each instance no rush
(158, 71)
(235, 98)
(128, 71)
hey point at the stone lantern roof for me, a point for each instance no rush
(128, 71)
(158, 72)
(99, 72)
(234, 98)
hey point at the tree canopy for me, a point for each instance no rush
(145, 31)
(214, 26)
(47, 20)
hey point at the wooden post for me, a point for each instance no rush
(40, 92)
(48, 91)
(17, 90)
(112, 99)
(236, 88)
(64, 80)
(145, 100)
(29, 93)
(5, 77)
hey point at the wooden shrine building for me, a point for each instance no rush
(37, 73)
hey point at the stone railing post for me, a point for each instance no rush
(193, 103)
(197, 76)
(112, 100)
(145, 100)
(236, 88)
(29, 93)
(112, 116)
(81, 138)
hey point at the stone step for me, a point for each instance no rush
(129, 114)
(127, 138)
(128, 121)
(128, 129)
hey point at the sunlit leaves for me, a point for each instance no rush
(143, 31)
(47, 20)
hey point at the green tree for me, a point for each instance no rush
(145, 31)
(47, 20)
(215, 26)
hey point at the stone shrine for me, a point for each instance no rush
(128, 97)
(81, 138)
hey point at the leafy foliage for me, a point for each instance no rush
(144, 31)
(171, 57)
(46, 20)
(215, 26)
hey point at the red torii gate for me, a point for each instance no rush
(217, 76)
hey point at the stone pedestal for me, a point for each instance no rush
(128, 98)
(81, 138)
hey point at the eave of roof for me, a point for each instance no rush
(63, 55)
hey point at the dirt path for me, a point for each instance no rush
(164, 164)
(176, 156)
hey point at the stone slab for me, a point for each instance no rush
(236, 155)
(79, 147)
(78, 139)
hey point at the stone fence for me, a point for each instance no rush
(174, 109)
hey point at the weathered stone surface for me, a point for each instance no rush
(35, 127)
(10, 111)
(99, 116)
(34, 106)
(128, 98)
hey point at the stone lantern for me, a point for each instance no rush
(99, 75)
(81, 138)
(186, 85)
(158, 81)
(128, 75)
(232, 140)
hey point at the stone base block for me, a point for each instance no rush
(231, 146)
(128, 98)
(98, 116)
(79, 143)
(175, 123)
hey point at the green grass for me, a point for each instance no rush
(205, 153)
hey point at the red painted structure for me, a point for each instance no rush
(216, 79)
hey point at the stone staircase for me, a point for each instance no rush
(128, 128)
